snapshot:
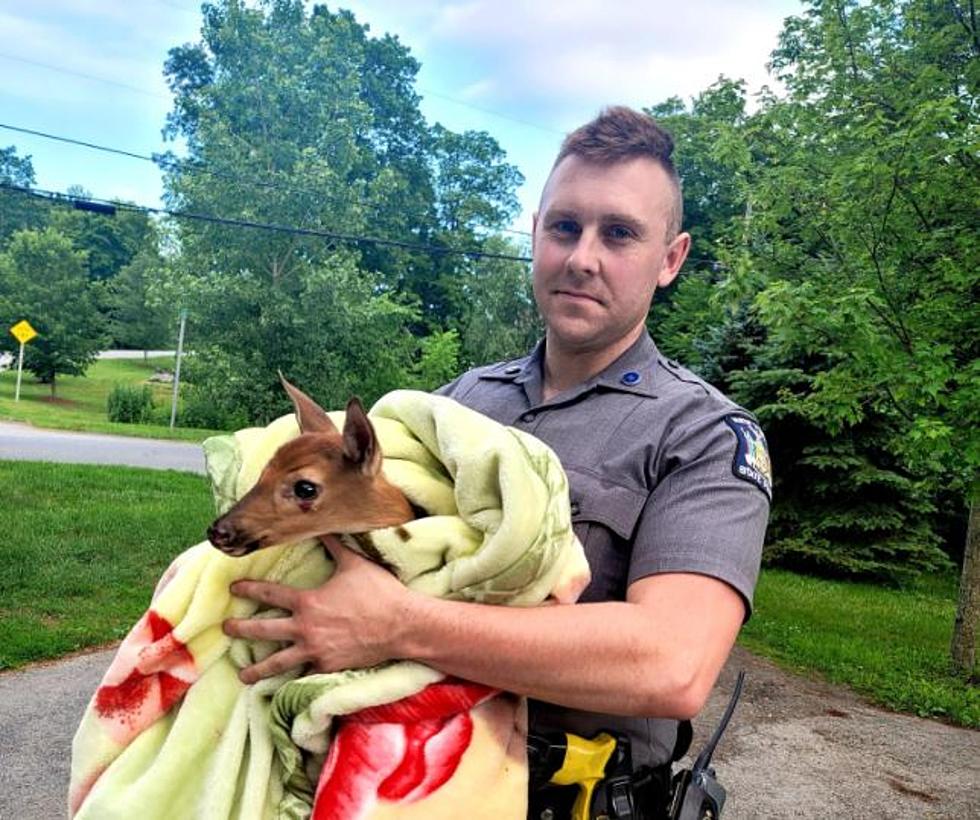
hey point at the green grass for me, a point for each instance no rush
(80, 402)
(889, 644)
(82, 549)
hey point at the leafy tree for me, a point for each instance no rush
(325, 326)
(839, 218)
(110, 242)
(473, 195)
(138, 320)
(43, 280)
(497, 318)
(865, 230)
(300, 118)
(438, 361)
(18, 211)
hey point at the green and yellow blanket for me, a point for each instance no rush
(171, 732)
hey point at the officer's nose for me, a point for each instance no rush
(585, 258)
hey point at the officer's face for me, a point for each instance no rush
(600, 251)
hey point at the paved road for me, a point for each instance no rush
(23, 442)
(796, 747)
(39, 710)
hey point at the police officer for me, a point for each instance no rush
(669, 480)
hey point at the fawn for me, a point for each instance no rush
(321, 482)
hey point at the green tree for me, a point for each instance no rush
(497, 318)
(138, 320)
(43, 279)
(865, 230)
(300, 118)
(18, 211)
(110, 242)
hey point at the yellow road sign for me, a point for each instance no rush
(23, 332)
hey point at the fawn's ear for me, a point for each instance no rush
(311, 417)
(360, 443)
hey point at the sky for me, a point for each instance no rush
(525, 71)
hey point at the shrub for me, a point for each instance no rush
(199, 408)
(129, 404)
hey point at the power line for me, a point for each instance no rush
(83, 75)
(107, 206)
(183, 165)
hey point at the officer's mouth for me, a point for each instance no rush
(577, 295)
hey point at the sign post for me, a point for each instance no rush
(23, 333)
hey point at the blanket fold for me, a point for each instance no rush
(172, 732)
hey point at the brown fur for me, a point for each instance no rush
(352, 495)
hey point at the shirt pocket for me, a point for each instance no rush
(604, 516)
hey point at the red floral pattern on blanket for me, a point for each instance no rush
(398, 752)
(151, 671)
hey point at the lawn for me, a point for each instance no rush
(80, 402)
(83, 548)
(889, 644)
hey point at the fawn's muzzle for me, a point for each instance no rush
(223, 535)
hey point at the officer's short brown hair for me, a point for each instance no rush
(620, 134)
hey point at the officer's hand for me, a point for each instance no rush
(351, 621)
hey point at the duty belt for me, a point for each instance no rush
(576, 778)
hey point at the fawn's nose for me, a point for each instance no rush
(221, 534)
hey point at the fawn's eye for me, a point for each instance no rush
(305, 490)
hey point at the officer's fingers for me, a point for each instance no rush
(275, 664)
(266, 593)
(265, 629)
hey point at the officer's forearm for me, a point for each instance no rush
(657, 656)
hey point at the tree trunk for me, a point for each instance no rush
(53, 377)
(964, 645)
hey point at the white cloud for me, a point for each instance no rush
(555, 62)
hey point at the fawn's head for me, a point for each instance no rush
(324, 481)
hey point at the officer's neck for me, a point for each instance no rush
(567, 366)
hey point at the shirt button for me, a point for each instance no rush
(631, 377)
(574, 508)
(529, 416)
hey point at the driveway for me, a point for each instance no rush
(796, 748)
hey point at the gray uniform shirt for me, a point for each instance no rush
(666, 475)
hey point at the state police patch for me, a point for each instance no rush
(751, 462)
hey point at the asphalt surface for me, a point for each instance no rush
(40, 707)
(22, 442)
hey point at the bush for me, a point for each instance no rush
(129, 404)
(202, 410)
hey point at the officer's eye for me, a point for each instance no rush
(619, 233)
(305, 490)
(565, 227)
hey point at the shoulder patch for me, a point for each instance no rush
(751, 462)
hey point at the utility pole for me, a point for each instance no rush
(180, 353)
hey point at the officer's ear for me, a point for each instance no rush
(676, 253)
(534, 230)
